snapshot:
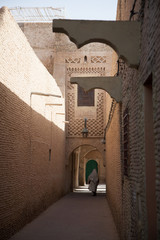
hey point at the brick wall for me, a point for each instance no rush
(42, 40)
(67, 61)
(30, 180)
(113, 162)
(136, 188)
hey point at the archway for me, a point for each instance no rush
(82, 158)
(90, 165)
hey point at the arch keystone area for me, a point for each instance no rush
(122, 36)
(112, 85)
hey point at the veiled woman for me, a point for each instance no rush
(93, 181)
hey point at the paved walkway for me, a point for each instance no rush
(77, 216)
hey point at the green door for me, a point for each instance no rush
(90, 165)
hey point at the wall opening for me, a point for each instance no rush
(82, 161)
(85, 98)
(49, 154)
(150, 160)
(90, 165)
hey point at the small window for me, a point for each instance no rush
(49, 154)
(85, 98)
(85, 59)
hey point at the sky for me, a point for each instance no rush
(74, 9)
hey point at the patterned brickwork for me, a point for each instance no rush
(98, 59)
(100, 71)
(72, 60)
(95, 126)
(92, 59)
(86, 70)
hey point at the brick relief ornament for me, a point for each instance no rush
(98, 71)
(98, 59)
(72, 60)
(95, 126)
(86, 70)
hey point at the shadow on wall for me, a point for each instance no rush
(32, 163)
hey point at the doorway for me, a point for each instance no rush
(90, 165)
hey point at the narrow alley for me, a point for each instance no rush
(80, 104)
(78, 216)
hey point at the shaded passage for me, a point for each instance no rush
(76, 216)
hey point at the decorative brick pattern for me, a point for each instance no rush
(87, 70)
(72, 60)
(95, 126)
(98, 59)
(69, 85)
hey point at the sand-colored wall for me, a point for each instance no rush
(113, 161)
(64, 60)
(30, 179)
(141, 213)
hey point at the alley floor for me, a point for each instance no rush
(77, 216)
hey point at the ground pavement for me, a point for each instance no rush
(77, 216)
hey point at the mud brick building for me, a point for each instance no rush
(43, 154)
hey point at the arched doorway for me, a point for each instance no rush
(90, 165)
